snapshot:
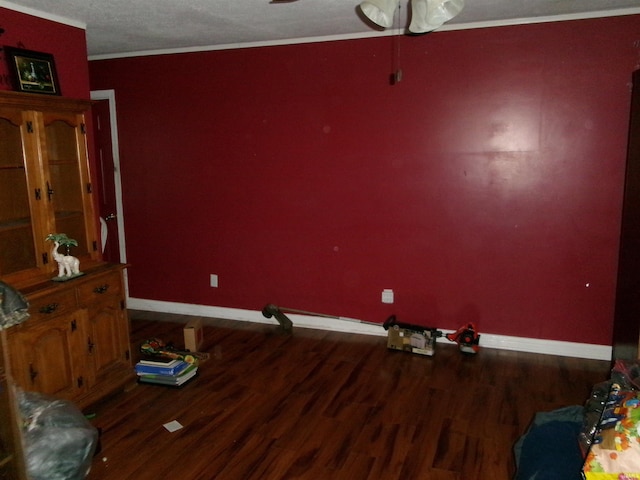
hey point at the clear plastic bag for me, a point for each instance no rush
(593, 408)
(627, 374)
(59, 442)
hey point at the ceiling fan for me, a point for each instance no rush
(426, 15)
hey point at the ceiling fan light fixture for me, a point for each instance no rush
(427, 15)
(380, 12)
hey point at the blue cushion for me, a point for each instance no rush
(551, 452)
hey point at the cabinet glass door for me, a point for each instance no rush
(18, 250)
(66, 181)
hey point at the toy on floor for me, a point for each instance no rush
(155, 347)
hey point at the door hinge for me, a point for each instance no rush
(89, 188)
(90, 345)
(95, 246)
(83, 128)
(38, 194)
(29, 127)
(45, 258)
(74, 325)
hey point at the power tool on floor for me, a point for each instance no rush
(467, 338)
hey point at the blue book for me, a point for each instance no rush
(171, 380)
(142, 369)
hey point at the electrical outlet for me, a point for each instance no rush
(387, 295)
(213, 280)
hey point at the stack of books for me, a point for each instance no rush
(165, 371)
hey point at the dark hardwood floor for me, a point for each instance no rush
(322, 405)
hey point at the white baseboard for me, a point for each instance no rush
(349, 325)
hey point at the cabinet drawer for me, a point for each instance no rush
(52, 305)
(100, 287)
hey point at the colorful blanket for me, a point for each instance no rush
(615, 451)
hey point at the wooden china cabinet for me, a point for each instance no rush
(75, 345)
(12, 465)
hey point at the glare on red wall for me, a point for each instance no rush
(484, 187)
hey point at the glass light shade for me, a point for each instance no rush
(380, 12)
(427, 15)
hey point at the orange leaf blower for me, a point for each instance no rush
(466, 337)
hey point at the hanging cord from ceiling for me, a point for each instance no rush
(426, 16)
(396, 70)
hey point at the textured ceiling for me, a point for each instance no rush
(124, 27)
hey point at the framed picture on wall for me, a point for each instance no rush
(34, 72)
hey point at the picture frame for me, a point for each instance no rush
(34, 72)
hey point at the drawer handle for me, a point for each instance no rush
(33, 373)
(101, 289)
(50, 308)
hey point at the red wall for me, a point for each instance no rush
(486, 186)
(67, 45)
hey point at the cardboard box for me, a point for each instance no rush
(193, 335)
(420, 340)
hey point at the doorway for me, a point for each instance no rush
(110, 210)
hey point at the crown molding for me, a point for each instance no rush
(328, 38)
(373, 34)
(47, 16)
